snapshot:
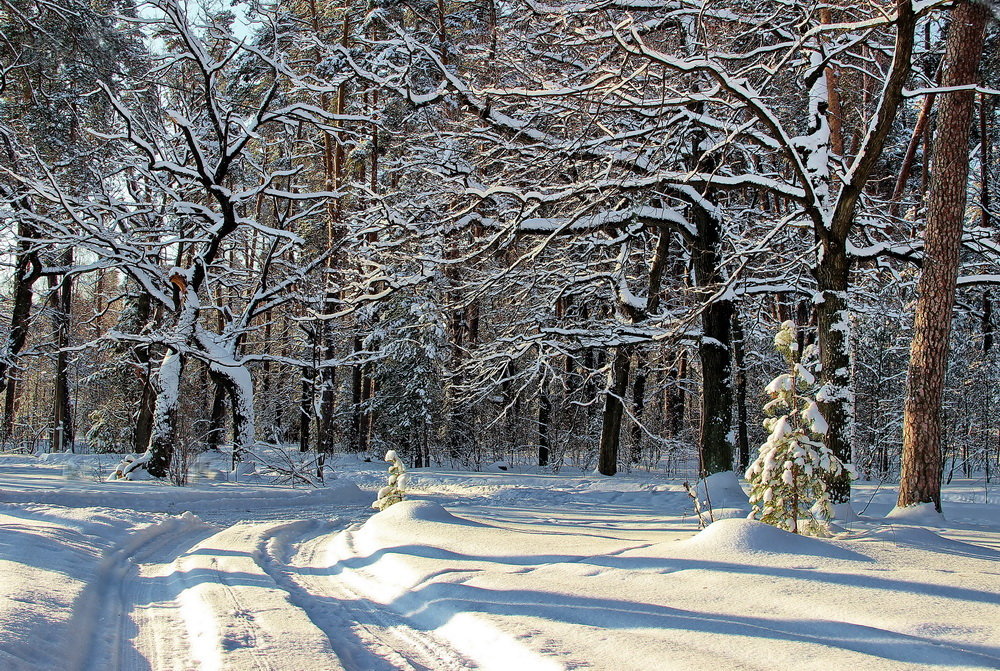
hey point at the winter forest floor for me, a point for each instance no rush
(494, 570)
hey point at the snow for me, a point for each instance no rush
(721, 496)
(493, 570)
(922, 513)
(742, 537)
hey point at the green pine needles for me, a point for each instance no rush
(788, 478)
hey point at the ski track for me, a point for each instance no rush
(183, 594)
(366, 636)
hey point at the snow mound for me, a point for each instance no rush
(722, 490)
(752, 537)
(925, 539)
(408, 512)
(344, 492)
(844, 512)
(922, 514)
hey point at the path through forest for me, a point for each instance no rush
(246, 596)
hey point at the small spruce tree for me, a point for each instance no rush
(394, 491)
(787, 480)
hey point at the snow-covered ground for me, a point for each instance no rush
(478, 570)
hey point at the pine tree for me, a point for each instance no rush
(394, 491)
(920, 479)
(788, 478)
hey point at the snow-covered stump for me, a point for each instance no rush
(394, 491)
(788, 480)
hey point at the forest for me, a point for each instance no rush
(477, 231)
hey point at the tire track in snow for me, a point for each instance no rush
(101, 620)
(182, 595)
(365, 636)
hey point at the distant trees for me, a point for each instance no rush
(472, 233)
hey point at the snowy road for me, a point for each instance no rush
(249, 596)
(500, 572)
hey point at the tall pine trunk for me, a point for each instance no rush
(920, 480)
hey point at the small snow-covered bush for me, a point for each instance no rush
(787, 480)
(394, 492)
(106, 435)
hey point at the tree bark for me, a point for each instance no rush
(147, 395)
(638, 406)
(740, 378)
(614, 408)
(306, 407)
(919, 129)
(715, 442)
(62, 410)
(357, 398)
(544, 418)
(325, 438)
(161, 442)
(835, 398)
(25, 273)
(832, 223)
(984, 161)
(920, 480)
(217, 420)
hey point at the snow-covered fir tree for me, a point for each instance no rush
(788, 478)
(394, 492)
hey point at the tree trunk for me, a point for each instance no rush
(25, 274)
(544, 418)
(740, 377)
(984, 161)
(239, 386)
(147, 394)
(144, 415)
(217, 421)
(325, 438)
(987, 323)
(638, 406)
(674, 398)
(306, 407)
(368, 390)
(920, 480)
(157, 458)
(715, 443)
(62, 417)
(919, 129)
(832, 223)
(614, 409)
(833, 325)
(357, 398)
(161, 443)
